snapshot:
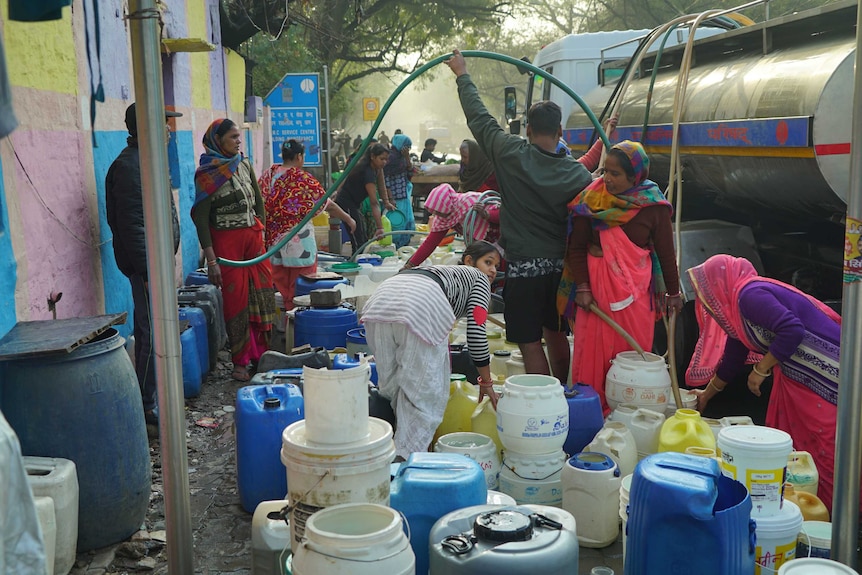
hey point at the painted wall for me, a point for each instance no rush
(53, 232)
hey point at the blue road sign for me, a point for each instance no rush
(294, 108)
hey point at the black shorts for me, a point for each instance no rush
(530, 305)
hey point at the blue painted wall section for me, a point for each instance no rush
(118, 293)
(183, 162)
(8, 267)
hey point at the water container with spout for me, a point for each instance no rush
(270, 538)
(498, 364)
(262, 413)
(480, 448)
(48, 526)
(463, 398)
(615, 440)
(198, 320)
(533, 478)
(326, 327)
(208, 298)
(347, 361)
(492, 540)
(802, 472)
(430, 485)
(515, 364)
(533, 415)
(354, 539)
(58, 479)
(686, 517)
(484, 421)
(633, 379)
(191, 365)
(811, 506)
(585, 416)
(495, 339)
(684, 429)
(646, 427)
(93, 391)
(591, 493)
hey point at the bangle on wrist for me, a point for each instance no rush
(715, 387)
(677, 294)
(212, 263)
(760, 373)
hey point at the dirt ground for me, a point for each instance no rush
(222, 529)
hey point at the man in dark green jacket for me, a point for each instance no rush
(536, 184)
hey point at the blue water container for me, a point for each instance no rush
(262, 413)
(197, 278)
(325, 327)
(585, 417)
(372, 259)
(686, 517)
(430, 485)
(208, 298)
(85, 406)
(197, 318)
(304, 286)
(191, 363)
(347, 361)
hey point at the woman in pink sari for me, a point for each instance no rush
(620, 256)
(787, 335)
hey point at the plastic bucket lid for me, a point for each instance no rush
(786, 523)
(815, 566)
(756, 438)
(396, 218)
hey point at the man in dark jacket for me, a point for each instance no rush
(125, 213)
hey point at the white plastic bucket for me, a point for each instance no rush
(756, 457)
(625, 489)
(480, 448)
(815, 540)
(533, 415)
(336, 404)
(776, 539)
(270, 539)
(58, 479)
(319, 476)
(354, 539)
(689, 401)
(533, 479)
(631, 379)
(48, 524)
(815, 566)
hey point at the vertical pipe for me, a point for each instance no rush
(848, 433)
(155, 183)
(328, 171)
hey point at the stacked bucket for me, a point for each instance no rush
(337, 454)
(533, 423)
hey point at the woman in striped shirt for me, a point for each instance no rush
(407, 324)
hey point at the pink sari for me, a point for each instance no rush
(620, 281)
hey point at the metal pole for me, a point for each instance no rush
(155, 182)
(328, 171)
(848, 433)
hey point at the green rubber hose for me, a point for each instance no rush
(421, 70)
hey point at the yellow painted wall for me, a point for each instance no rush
(200, 62)
(41, 55)
(236, 80)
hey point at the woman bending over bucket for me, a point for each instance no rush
(787, 335)
(407, 324)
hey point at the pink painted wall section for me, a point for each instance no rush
(60, 244)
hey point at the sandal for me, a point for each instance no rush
(240, 373)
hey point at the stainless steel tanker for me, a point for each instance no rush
(765, 126)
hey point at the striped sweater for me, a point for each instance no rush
(417, 300)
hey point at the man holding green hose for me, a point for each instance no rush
(536, 184)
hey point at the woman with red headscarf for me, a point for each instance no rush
(229, 215)
(620, 255)
(788, 336)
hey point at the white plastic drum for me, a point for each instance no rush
(354, 539)
(480, 448)
(533, 415)
(631, 379)
(533, 479)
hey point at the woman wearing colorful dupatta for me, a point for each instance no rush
(449, 209)
(289, 193)
(229, 216)
(397, 174)
(619, 256)
(787, 335)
